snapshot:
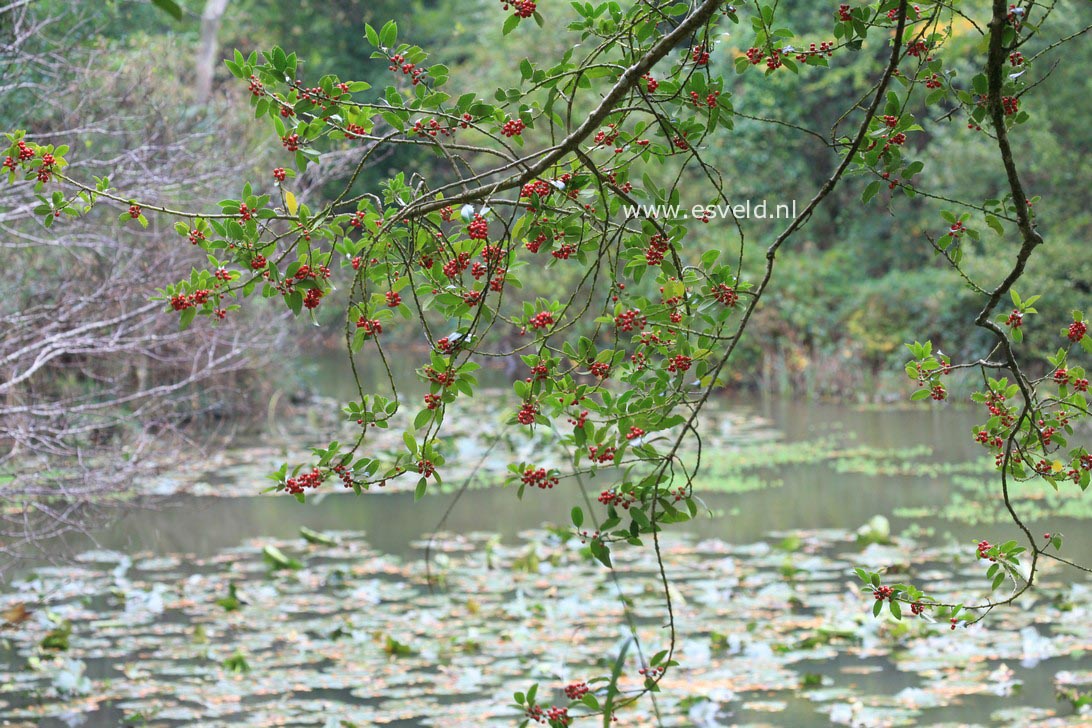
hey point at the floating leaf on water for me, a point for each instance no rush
(276, 559)
(56, 639)
(316, 537)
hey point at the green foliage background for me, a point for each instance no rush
(860, 283)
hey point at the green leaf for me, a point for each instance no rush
(279, 59)
(578, 516)
(423, 418)
(419, 491)
(316, 537)
(170, 7)
(371, 35)
(389, 34)
(276, 559)
(870, 191)
(510, 24)
(295, 302)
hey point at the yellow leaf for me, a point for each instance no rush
(1057, 466)
(290, 203)
(15, 614)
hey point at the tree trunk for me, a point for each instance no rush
(206, 57)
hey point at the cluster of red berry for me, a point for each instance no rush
(1015, 16)
(539, 187)
(371, 327)
(541, 320)
(539, 477)
(183, 301)
(658, 246)
(617, 498)
(606, 137)
(345, 474)
(398, 62)
(432, 128)
(1077, 330)
(629, 320)
(916, 48)
(457, 265)
(679, 363)
(301, 482)
(444, 379)
(606, 454)
(478, 229)
(580, 420)
(725, 295)
(527, 412)
(824, 48)
(513, 127)
(563, 251)
(539, 372)
(312, 298)
(521, 8)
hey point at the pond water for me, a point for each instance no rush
(344, 629)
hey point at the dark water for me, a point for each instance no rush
(813, 495)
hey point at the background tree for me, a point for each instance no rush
(96, 383)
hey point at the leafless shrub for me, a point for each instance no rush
(97, 385)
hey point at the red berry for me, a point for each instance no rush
(478, 229)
